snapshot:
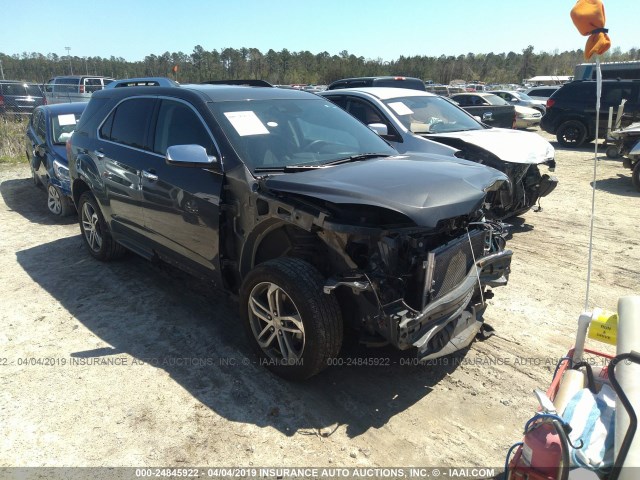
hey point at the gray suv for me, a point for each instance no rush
(73, 88)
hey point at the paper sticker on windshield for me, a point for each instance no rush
(400, 108)
(246, 123)
(67, 119)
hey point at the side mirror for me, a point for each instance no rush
(40, 150)
(380, 128)
(477, 118)
(190, 156)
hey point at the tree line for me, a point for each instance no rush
(304, 67)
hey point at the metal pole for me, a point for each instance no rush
(1, 70)
(69, 57)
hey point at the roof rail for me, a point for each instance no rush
(245, 83)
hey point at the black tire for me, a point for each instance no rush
(613, 151)
(635, 175)
(95, 231)
(58, 203)
(571, 134)
(294, 289)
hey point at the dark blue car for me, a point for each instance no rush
(47, 133)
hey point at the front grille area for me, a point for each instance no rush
(454, 260)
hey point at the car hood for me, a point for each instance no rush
(525, 110)
(425, 189)
(509, 145)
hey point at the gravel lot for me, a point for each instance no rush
(135, 364)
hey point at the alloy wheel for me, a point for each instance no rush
(276, 323)
(91, 227)
(54, 202)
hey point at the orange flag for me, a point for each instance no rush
(589, 18)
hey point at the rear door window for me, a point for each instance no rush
(92, 84)
(66, 85)
(34, 91)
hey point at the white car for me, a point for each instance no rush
(527, 117)
(412, 120)
(543, 92)
(521, 99)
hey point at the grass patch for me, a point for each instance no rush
(12, 140)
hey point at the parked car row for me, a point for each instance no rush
(386, 203)
(281, 196)
(415, 121)
(21, 98)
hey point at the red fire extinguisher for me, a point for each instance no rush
(544, 451)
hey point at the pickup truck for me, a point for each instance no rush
(73, 88)
(482, 105)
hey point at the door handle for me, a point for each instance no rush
(152, 177)
(99, 154)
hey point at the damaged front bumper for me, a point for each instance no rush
(446, 323)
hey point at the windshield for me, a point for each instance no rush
(495, 100)
(523, 96)
(427, 114)
(62, 126)
(279, 133)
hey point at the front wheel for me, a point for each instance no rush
(635, 176)
(571, 133)
(95, 231)
(57, 202)
(295, 327)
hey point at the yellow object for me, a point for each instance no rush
(604, 327)
(589, 18)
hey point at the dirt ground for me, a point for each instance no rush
(134, 364)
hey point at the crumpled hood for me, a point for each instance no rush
(425, 189)
(509, 145)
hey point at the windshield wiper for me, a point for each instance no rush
(288, 168)
(357, 158)
(316, 166)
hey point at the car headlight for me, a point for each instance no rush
(61, 171)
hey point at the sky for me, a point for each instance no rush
(373, 29)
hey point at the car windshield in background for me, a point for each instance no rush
(275, 134)
(523, 96)
(427, 114)
(62, 126)
(495, 100)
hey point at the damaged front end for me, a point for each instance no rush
(404, 245)
(424, 289)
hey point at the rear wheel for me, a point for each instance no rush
(571, 133)
(95, 231)
(635, 176)
(294, 326)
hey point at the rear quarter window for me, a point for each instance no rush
(129, 122)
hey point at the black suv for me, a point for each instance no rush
(19, 98)
(571, 110)
(284, 198)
